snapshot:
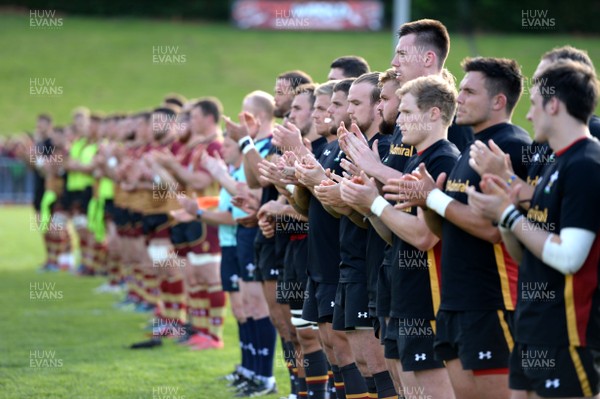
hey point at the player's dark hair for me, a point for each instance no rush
(164, 110)
(45, 117)
(145, 115)
(175, 99)
(570, 53)
(343, 85)
(573, 83)
(352, 65)
(502, 76)
(96, 116)
(431, 33)
(210, 106)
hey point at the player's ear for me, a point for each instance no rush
(499, 102)
(553, 105)
(434, 114)
(430, 58)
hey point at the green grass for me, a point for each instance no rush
(88, 337)
(107, 65)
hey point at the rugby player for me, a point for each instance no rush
(555, 241)
(478, 276)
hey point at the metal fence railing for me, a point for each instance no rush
(16, 182)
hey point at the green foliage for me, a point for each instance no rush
(479, 15)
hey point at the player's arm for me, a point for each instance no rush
(162, 174)
(301, 199)
(367, 159)
(251, 160)
(490, 159)
(217, 218)
(332, 211)
(136, 175)
(289, 193)
(410, 228)
(280, 208)
(301, 211)
(383, 172)
(384, 232)
(329, 196)
(358, 219)
(226, 181)
(512, 245)
(288, 209)
(424, 230)
(467, 219)
(565, 250)
(197, 180)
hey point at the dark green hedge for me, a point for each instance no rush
(179, 9)
(574, 16)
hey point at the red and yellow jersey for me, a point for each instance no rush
(192, 162)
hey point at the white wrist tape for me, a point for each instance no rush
(509, 218)
(246, 144)
(243, 140)
(507, 210)
(378, 205)
(247, 148)
(569, 255)
(438, 201)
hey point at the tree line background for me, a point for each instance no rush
(469, 16)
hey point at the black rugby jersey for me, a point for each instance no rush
(476, 274)
(539, 155)
(398, 155)
(270, 192)
(324, 236)
(353, 239)
(415, 274)
(460, 135)
(376, 246)
(553, 308)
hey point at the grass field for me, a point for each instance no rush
(73, 346)
(107, 64)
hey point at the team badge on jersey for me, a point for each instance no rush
(553, 178)
(339, 156)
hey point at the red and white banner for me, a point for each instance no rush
(308, 15)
